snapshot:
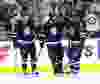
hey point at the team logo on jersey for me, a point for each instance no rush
(92, 20)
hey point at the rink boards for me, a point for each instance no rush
(89, 65)
(48, 68)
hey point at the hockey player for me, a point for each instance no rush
(16, 23)
(55, 36)
(77, 42)
(72, 33)
(27, 46)
(73, 52)
(55, 50)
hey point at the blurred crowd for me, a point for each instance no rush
(41, 12)
(38, 10)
